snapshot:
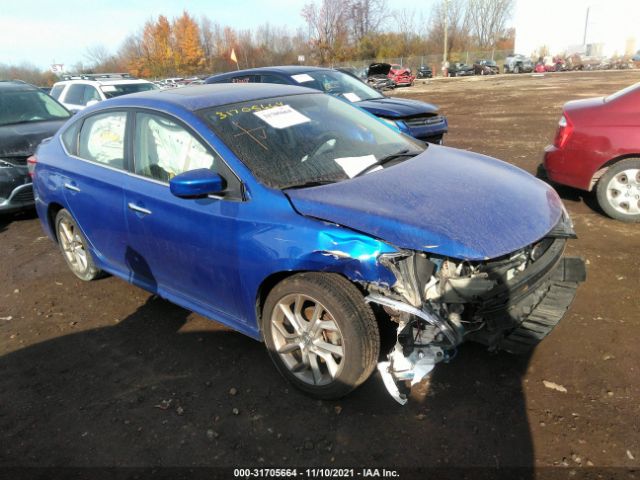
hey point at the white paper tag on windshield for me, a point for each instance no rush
(303, 77)
(354, 165)
(352, 97)
(109, 88)
(282, 117)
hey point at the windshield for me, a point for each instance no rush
(337, 83)
(304, 139)
(111, 91)
(25, 106)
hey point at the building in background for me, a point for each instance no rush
(591, 27)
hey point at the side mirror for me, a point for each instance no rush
(197, 183)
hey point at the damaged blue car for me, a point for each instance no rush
(309, 224)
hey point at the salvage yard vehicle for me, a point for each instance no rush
(305, 222)
(378, 76)
(401, 76)
(27, 116)
(485, 67)
(517, 64)
(419, 119)
(460, 70)
(424, 71)
(78, 92)
(597, 148)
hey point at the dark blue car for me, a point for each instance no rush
(304, 222)
(419, 119)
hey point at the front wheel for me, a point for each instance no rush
(618, 191)
(73, 245)
(320, 334)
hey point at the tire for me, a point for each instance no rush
(618, 190)
(516, 69)
(346, 327)
(73, 246)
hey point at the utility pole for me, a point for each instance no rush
(586, 24)
(446, 32)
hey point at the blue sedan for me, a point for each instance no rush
(419, 119)
(304, 222)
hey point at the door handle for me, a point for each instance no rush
(73, 188)
(136, 208)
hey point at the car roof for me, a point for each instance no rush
(16, 86)
(205, 96)
(120, 81)
(282, 69)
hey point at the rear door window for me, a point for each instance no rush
(102, 139)
(268, 78)
(75, 94)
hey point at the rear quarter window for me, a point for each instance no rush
(56, 91)
(102, 139)
(69, 138)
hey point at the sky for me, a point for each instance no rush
(561, 24)
(46, 31)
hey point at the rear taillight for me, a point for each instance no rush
(31, 165)
(565, 129)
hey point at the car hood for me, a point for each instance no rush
(397, 107)
(445, 201)
(379, 69)
(21, 139)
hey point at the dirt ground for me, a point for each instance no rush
(105, 374)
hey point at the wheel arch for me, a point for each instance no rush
(52, 212)
(605, 166)
(269, 283)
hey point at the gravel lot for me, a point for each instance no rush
(106, 374)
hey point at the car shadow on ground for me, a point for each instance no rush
(7, 218)
(571, 194)
(164, 387)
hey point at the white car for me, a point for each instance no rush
(76, 93)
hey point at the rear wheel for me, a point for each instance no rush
(516, 69)
(74, 249)
(618, 191)
(321, 334)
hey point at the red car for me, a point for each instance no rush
(597, 147)
(401, 76)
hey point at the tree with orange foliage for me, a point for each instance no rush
(156, 49)
(188, 55)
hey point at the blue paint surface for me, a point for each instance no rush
(446, 201)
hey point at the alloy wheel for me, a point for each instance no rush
(72, 246)
(307, 339)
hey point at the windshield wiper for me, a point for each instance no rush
(394, 156)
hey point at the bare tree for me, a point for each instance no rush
(327, 27)
(457, 26)
(365, 16)
(487, 20)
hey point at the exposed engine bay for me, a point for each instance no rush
(508, 303)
